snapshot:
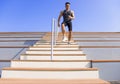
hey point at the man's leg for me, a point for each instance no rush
(63, 30)
(70, 32)
(64, 33)
(69, 36)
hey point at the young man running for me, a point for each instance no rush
(68, 16)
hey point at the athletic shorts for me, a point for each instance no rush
(69, 24)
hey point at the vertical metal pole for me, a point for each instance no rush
(57, 31)
(52, 32)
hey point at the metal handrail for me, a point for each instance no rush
(52, 31)
(54, 34)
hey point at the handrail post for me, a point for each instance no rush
(54, 32)
(52, 38)
(57, 31)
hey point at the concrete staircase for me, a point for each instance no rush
(68, 63)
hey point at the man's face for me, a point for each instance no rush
(67, 6)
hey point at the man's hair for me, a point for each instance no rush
(67, 3)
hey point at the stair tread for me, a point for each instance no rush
(56, 42)
(68, 46)
(54, 50)
(54, 54)
(57, 45)
(52, 60)
(52, 81)
(50, 69)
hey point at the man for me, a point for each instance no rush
(68, 16)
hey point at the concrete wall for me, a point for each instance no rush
(99, 43)
(102, 53)
(11, 53)
(22, 43)
(108, 70)
(105, 53)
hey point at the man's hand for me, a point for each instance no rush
(70, 17)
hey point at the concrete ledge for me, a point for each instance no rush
(52, 69)
(14, 46)
(22, 32)
(99, 46)
(99, 61)
(20, 37)
(97, 40)
(53, 81)
(5, 60)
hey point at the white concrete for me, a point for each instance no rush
(56, 45)
(50, 74)
(35, 57)
(55, 52)
(33, 48)
(109, 71)
(50, 64)
(69, 58)
(46, 43)
(54, 57)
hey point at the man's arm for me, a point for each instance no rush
(60, 15)
(72, 16)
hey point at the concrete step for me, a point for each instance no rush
(45, 48)
(58, 43)
(55, 52)
(51, 64)
(55, 57)
(51, 73)
(57, 46)
(52, 81)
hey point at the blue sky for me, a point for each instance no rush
(36, 15)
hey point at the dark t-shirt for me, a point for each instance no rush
(66, 15)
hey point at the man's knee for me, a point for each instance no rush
(69, 29)
(63, 27)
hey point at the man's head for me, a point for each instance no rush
(67, 5)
